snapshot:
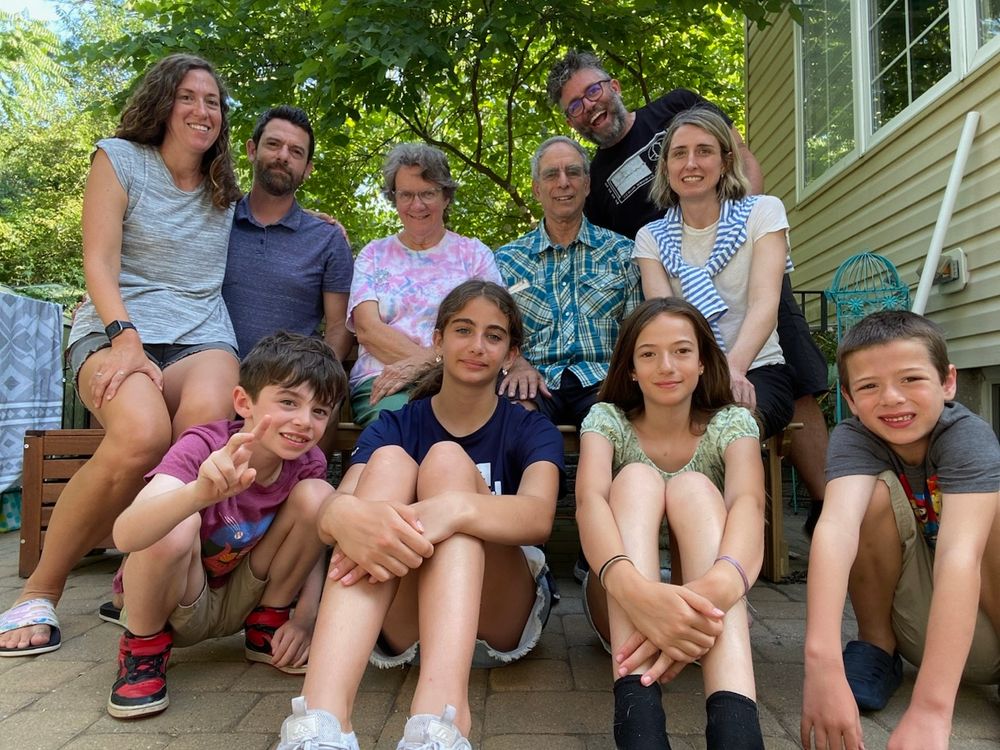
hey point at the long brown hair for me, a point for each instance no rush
(430, 383)
(713, 391)
(144, 120)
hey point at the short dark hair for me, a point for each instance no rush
(294, 115)
(291, 359)
(886, 326)
(713, 391)
(430, 383)
(566, 68)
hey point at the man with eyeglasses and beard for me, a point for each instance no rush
(622, 170)
(287, 269)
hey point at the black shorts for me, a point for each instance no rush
(809, 370)
(775, 404)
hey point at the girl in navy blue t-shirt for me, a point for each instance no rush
(429, 524)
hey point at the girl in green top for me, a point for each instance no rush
(667, 441)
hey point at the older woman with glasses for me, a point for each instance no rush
(400, 280)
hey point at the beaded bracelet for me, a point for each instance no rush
(611, 561)
(739, 569)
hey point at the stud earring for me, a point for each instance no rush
(504, 371)
(437, 359)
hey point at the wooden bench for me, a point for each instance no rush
(51, 457)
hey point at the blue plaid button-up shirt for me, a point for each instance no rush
(572, 299)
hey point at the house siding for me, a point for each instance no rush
(887, 200)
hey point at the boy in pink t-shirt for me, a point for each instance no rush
(223, 537)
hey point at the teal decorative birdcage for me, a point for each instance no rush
(864, 283)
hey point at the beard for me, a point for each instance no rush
(277, 181)
(616, 115)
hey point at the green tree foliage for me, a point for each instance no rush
(52, 110)
(465, 75)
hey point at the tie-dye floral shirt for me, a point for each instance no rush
(409, 286)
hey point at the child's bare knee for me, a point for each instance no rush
(389, 457)
(445, 455)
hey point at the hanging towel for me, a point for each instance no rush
(31, 378)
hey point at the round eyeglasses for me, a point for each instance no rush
(592, 93)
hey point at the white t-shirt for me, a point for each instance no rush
(767, 215)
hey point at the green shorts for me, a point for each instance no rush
(911, 602)
(364, 412)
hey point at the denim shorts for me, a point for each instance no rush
(485, 655)
(161, 355)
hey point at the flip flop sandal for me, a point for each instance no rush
(26, 614)
(110, 613)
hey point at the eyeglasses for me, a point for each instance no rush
(592, 93)
(406, 196)
(572, 172)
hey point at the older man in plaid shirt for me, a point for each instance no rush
(574, 283)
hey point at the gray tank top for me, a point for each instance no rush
(173, 260)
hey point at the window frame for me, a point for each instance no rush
(966, 56)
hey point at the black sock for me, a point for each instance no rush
(640, 723)
(733, 722)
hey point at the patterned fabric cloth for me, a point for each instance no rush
(696, 281)
(572, 299)
(409, 286)
(729, 424)
(30, 377)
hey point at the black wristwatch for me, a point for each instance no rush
(115, 327)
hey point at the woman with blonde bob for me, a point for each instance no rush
(666, 441)
(726, 252)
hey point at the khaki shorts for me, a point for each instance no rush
(216, 612)
(911, 602)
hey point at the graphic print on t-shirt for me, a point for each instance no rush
(636, 171)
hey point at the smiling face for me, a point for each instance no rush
(196, 117)
(666, 364)
(603, 120)
(420, 203)
(563, 184)
(694, 162)
(897, 393)
(475, 344)
(280, 159)
(298, 421)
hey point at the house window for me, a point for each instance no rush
(827, 70)
(864, 66)
(989, 20)
(910, 46)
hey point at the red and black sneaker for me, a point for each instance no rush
(258, 630)
(141, 687)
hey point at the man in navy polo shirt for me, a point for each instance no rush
(287, 269)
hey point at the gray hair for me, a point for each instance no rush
(536, 157)
(433, 168)
(733, 184)
(566, 68)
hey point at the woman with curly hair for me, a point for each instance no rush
(152, 347)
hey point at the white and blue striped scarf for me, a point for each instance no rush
(697, 286)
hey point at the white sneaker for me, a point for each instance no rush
(429, 732)
(313, 729)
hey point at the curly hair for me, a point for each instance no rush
(572, 62)
(144, 120)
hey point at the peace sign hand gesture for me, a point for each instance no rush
(227, 472)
